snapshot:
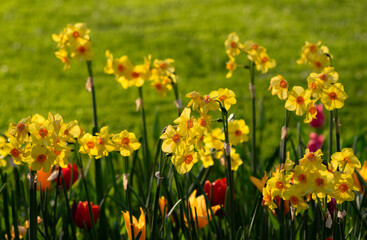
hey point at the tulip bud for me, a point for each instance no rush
(81, 214)
(219, 191)
(66, 173)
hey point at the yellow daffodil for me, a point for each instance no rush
(41, 157)
(319, 62)
(20, 130)
(88, 145)
(138, 226)
(238, 131)
(252, 49)
(279, 86)
(206, 157)
(311, 112)
(225, 96)
(345, 160)
(235, 160)
(185, 161)
(82, 50)
(104, 144)
(199, 210)
(172, 141)
(126, 143)
(3, 151)
(44, 133)
(322, 183)
(164, 66)
(76, 31)
(344, 188)
(185, 122)
(302, 179)
(279, 183)
(162, 87)
(231, 65)
(196, 100)
(205, 121)
(232, 45)
(268, 198)
(298, 100)
(68, 132)
(264, 62)
(363, 173)
(327, 76)
(214, 139)
(315, 85)
(308, 50)
(334, 96)
(312, 160)
(208, 104)
(62, 54)
(293, 194)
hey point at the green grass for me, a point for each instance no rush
(192, 33)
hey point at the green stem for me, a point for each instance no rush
(68, 206)
(284, 134)
(253, 104)
(330, 135)
(337, 133)
(33, 207)
(128, 198)
(94, 106)
(80, 163)
(229, 174)
(98, 164)
(5, 203)
(146, 156)
(155, 204)
(15, 214)
(177, 98)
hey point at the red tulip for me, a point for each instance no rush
(81, 214)
(320, 117)
(219, 191)
(66, 173)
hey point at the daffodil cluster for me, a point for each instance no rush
(255, 53)
(317, 56)
(311, 178)
(104, 142)
(74, 41)
(40, 142)
(192, 138)
(323, 86)
(161, 73)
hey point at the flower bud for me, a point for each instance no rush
(81, 214)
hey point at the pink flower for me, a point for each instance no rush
(315, 142)
(318, 122)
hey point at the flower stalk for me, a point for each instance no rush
(229, 175)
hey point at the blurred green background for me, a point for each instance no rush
(191, 32)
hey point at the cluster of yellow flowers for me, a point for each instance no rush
(193, 138)
(255, 53)
(42, 143)
(311, 178)
(317, 56)
(161, 73)
(104, 142)
(323, 86)
(76, 39)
